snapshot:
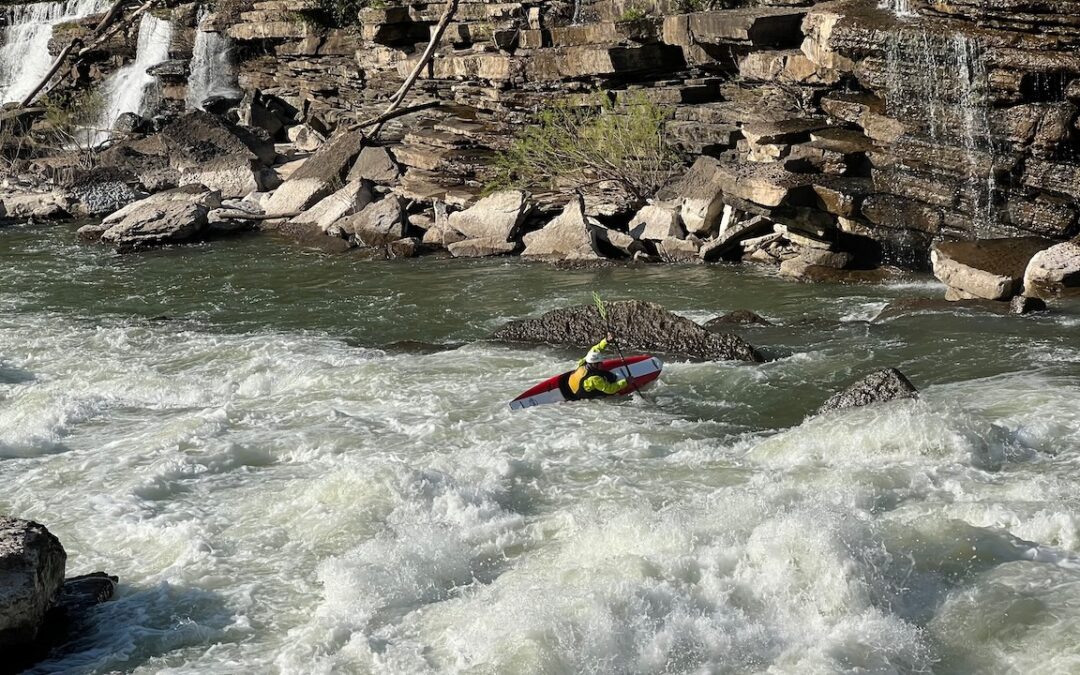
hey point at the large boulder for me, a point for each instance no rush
(37, 205)
(351, 199)
(31, 574)
(169, 217)
(378, 224)
(992, 269)
(1054, 271)
(884, 385)
(497, 216)
(641, 326)
(568, 237)
(323, 173)
(656, 223)
(376, 165)
(208, 151)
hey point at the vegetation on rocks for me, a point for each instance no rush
(569, 148)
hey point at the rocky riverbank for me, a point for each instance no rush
(827, 138)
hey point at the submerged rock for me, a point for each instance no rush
(31, 574)
(739, 317)
(640, 326)
(877, 387)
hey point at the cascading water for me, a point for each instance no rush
(126, 89)
(935, 80)
(25, 57)
(899, 7)
(974, 109)
(212, 71)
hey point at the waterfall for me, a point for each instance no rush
(212, 72)
(898, 7)
(974, 108)
(938, 79)
(126, 89)
(24, 56)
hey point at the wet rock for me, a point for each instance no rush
(1021, 304)
(739, 317)
(902, 307)
(131, 123)
(1054, 271)
(797, 267)
(992, 269)
(497, 216)
(378, 224)
(407, 247)
(31, 574)
(641, 326)
(317, 177)
(878, 387)
(568, 237)
(92, 232)
(481, 247)
(220, 104)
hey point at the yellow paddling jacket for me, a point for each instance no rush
(585, 382)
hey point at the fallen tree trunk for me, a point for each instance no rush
(425, 58)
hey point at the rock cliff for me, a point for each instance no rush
(814, 134)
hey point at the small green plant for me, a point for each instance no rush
(633, 13)
(569, 148)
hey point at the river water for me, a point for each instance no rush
(301, 463)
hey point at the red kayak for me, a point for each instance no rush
(637, 370)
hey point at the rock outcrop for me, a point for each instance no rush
(640, 326)
(991, 269)
(877, 387)
(31, 575)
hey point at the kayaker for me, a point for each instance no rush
(591, 379)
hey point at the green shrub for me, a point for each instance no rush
(569, 148)
(633, 14)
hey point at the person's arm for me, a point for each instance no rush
(599, 347)
(597, 383)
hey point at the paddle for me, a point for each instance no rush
(599, 302)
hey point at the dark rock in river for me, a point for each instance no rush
(640, 326)
(740, 317)
(877, 387)
(31, 574)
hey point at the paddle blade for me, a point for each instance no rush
(599, 302)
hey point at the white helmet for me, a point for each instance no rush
(594, 357)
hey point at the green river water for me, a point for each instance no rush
(305, 463)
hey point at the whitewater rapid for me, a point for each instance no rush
(285, 492)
